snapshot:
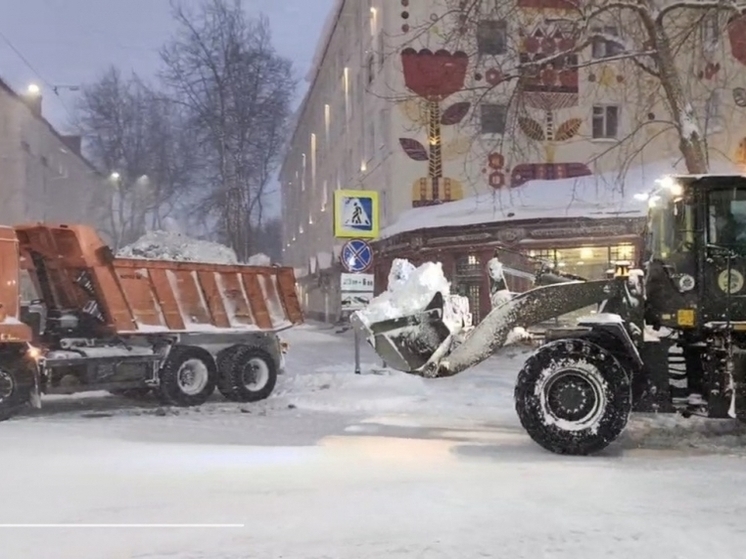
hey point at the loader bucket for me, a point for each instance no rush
(410, 342)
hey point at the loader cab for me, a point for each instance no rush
(695, 238)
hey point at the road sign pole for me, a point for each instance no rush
(357, 352)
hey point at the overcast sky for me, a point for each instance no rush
(69, 42)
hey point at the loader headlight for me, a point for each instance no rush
(686, 282)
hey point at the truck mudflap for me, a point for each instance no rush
(423, 344)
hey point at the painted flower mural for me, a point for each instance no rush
(737, 37)
(549, 87)
(434, 76)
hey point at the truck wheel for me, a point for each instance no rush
(225, 362)
(252, 377)
(573, 397)
(15, 390)
(188, 377)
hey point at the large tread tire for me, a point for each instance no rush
(225, 361)
(181, 362)
(576, 363)
(252, 376)
(16, 383)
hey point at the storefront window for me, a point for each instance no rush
(589, 262)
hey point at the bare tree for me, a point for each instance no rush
(138, 137)
(667, 59)
(222, 67)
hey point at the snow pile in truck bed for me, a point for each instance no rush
(259, 259)
(409, 291)
(165, 245)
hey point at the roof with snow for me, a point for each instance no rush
(612, 195)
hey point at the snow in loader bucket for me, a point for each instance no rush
(408, 343)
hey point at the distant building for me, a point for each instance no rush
(389, 108)
(43, 176)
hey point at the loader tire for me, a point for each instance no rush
(16, 382)
(251, 377)
(573, 397)
(188, 377)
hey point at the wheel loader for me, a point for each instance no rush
(576, 391)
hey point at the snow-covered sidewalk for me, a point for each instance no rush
(338, 465)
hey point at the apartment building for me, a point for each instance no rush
(417, 99)
(45, 177)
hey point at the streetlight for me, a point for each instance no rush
(115, 176)
(33, 89)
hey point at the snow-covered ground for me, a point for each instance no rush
(337, 465)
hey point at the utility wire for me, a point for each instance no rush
(31, 67)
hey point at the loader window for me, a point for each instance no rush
(727, 217)
(671, 228)
(660, 230)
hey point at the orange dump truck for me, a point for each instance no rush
(131, 326)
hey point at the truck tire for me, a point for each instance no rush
(251, 377)
(225, 367)
(15, 389)
(573, 397)
(188, 377)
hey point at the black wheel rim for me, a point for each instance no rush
(573, 397)
(7, 385)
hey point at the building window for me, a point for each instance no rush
(468, 282)
(605, 121)
(710, 28)
(371, 68)
(492, 37)
(603, 45)
(493, 118)
(713, 112)
(381, 51)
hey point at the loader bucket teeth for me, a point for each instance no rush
(407, 343)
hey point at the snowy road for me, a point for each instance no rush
(344, 466)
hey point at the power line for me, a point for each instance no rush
(31, 67)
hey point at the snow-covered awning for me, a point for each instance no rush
(612, 195)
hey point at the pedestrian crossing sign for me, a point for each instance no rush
(356, 214)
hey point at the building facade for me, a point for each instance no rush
(44, 174)
(433, 103)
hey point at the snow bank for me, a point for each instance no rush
(165, 245)
(409, 291)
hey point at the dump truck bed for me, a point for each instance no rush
(151, 296)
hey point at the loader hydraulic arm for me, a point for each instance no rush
(524, 310)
